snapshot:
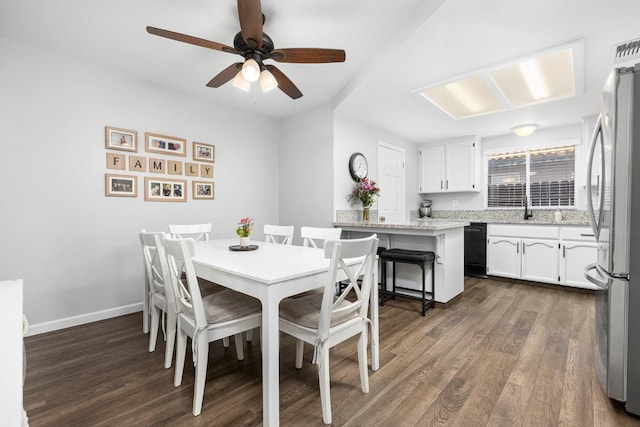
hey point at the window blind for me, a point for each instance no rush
(550, 180)
(552, 177)
(507, 179)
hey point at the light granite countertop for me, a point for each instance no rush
(440, 219)
(431, 224)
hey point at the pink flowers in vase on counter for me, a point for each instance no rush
(364, 191)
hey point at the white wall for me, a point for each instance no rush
(11, 356)
(76, 249)
(541, 138)
(306, 172)
(351, 135)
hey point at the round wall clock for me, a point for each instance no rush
(358, 166)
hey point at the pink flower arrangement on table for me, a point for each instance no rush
(245, 226)
(363, 191)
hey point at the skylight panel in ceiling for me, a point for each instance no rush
(550, 75)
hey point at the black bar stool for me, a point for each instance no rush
(343, 284)
(406, 256)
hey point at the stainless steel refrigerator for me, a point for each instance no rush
(613, 178)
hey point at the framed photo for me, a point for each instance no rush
(120, 139)
(204, 152)
(165, 190)
(121, 185)
(165, 144)
(203, 190)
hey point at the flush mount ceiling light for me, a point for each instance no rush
(525, 130)
(550, 75)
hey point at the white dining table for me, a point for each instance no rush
(271, 273)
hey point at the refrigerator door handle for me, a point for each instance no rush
(596, 279)
(595, 223)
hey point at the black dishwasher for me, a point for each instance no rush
(475, 250)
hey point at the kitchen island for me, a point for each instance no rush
(444, 237)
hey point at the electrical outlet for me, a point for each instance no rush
(454, 203)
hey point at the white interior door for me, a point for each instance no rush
(391, 180)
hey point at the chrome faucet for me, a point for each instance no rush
(527, 213)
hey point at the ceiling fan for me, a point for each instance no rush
(256, 47)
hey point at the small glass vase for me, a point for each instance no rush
(365, 213)
(244, 241)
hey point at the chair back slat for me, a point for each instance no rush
(282, 234)
(188, 297)
(315, 237)
(339, 251)
(198, 232)
(154, 260)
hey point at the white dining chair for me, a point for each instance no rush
(324, 320)
(161, 299)
(198, 232)
(204, 319)
(279, 234)
(315, 237)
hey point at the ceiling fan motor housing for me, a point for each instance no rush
(249, 51)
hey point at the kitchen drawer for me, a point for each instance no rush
(524, 231)
(577, 233)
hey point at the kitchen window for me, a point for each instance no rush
(546, 176)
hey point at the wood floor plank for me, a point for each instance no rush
(505, 353)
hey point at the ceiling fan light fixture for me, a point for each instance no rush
(240, 82)
(525, 130)
(251, 70)
(267, 81)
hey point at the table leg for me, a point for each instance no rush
(270, 362)
(375, 337)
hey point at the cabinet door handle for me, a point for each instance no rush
(586, 235)
(447, 185)
(564, 251)
(523, 248)
(517, 247)
(441, 184)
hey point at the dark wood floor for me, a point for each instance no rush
(503, 354)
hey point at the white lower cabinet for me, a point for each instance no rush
(578, 249)
(539, 253)
(540, 260)
(503, 257)
(518, 258)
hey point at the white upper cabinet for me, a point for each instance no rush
(449, 166)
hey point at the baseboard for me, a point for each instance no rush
(54, 325)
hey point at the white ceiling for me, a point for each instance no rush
(393, 48)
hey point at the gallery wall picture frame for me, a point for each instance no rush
(204, 152)
(165, 190)
(120, 139)
(203, 190)
(163, 144)
(121, 185)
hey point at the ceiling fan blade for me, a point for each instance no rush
(225, 75)
(284, 83)
(308, 55)
(250, 15)
(190, 39)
